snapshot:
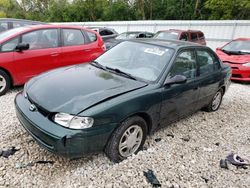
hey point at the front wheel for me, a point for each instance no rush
(216, 102)
(127, 139)
(4, 82)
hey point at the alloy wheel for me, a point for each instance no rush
(3, 83)
(130, 140)
(216, 100)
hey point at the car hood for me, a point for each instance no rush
(233, 58)
(74, 89)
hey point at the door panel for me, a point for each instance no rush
(179, 100)
(42, 55)
(75, 50)
(209, 76)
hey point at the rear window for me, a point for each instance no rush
(19, 24)
(92, 36)
(184, 37)
(167, 35)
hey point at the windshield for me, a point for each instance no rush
(140, 60)
(124, 36)
(238, 45)
(9, 33)
(167, 35)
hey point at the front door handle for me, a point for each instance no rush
(54, 54)
(87, 50)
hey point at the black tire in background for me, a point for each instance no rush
(4, 82)
(113, 146)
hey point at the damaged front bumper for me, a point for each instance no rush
(57, 139)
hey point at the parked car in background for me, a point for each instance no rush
(236, 54)
(106, 33)
(185, 35)
(10, 23)
(131, 90)
(31, 50)
(127, 35)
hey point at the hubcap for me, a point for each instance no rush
(2, 83)
(130, 140)
(216, 101)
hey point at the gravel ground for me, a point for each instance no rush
(189, 159)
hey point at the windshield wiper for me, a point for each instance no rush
(235, 52)
(96, 64)
(244, 52)
(121, 73)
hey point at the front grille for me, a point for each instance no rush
(236, 76)
(229, 62)
(39, 108)
(234, 67)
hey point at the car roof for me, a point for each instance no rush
(100, 28)
(175, 44)
(53, 26)
(242, 39)
(129, 32)
(180, 30)
(29, 28)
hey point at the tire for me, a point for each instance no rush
(4, 82)
(215, 105)
(120, 137)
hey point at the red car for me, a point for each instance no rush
(31, 50)
(236, 54)
(195, 36)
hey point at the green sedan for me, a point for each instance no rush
(114, 102)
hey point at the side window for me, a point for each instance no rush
(194, 37)
(207, 62)
(17, 24)
(201, 36)
(92, 36)
(10, 45)
(149, 35)
(141, 35)
(184, 37)
(105, 32)
(45, 38)
(72, 37)
(3, 26)
(184, 65)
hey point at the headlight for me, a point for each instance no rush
(73, 122)
(246, 64)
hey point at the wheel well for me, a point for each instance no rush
(8, 73)
(223, 89)
(147, 118)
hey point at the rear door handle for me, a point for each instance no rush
(54, 54)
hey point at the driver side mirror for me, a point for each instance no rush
(177, 79)
(22, 46)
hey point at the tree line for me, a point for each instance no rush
(112, 10)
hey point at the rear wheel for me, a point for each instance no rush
(127, 139)
(4, 82)
(216, 102)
